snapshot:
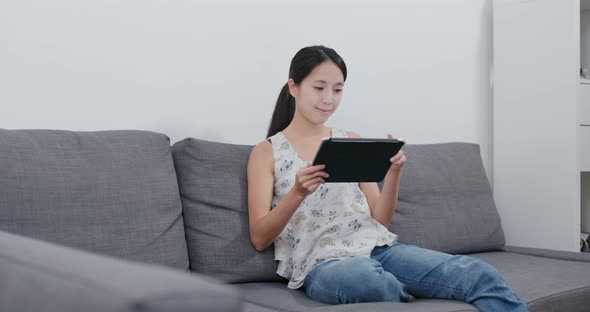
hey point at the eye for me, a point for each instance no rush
(338, 90)
(318, 88)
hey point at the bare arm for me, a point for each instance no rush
(383, 204)
(265, 223)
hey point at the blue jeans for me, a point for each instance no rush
(399, 272)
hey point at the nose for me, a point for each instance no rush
(328, 97)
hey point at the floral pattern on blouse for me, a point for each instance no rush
(332, 222)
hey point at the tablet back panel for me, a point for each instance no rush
(356, 160)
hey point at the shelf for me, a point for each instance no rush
(585, 202)
(584, 149)
(585, 37)
(583, 114)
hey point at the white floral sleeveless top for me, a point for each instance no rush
(332, 222)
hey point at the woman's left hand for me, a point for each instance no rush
(397, 161)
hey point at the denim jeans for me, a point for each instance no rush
(399, 272)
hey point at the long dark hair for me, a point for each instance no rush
(304, 61)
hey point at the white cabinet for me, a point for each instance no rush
(538, 141)
(586, 202)
(584, 102)
(584, 133)
(584, 149)
(584, 136)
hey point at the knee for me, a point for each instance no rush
(359, 272)
(486, 270)
(370, 283)
(482, 272)
(385, 288)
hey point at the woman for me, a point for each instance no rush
(332, 239)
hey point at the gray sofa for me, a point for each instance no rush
(122, 221)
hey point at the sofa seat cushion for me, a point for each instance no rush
(276, 296)
(111, 192)
(250, 307)
(546, 284)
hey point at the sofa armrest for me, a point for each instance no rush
(550, 253)
(41, 276)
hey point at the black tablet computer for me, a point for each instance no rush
(356, 159)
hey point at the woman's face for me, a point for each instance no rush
(318, 95)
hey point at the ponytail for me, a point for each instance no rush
(283, 113)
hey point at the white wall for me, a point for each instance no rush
(212, 69)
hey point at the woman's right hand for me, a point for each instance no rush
(309, 178)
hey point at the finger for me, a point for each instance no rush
(318, 167)
(400, 161)
(312, 182)
(396, 157)
(389, 136)
(305, 178)
(321, 174)
(318, 174)
(313, 176)
(399, 155)
(311, 169)
(312, 187)
(315, 187)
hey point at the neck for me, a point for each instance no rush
(302, 128)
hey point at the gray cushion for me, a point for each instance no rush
(550, 253)
(445, 202)
(546, 284)
(112, 192)
(249, 307)
(277, 296)
(41, 276)
(213, 187)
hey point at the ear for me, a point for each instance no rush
(292, 87)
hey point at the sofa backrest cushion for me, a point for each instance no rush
(213, 187)
(445, 202)
(111, 192)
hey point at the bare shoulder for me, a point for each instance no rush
(352, 134)
(262, 155)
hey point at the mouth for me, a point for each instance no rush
(323, 111)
